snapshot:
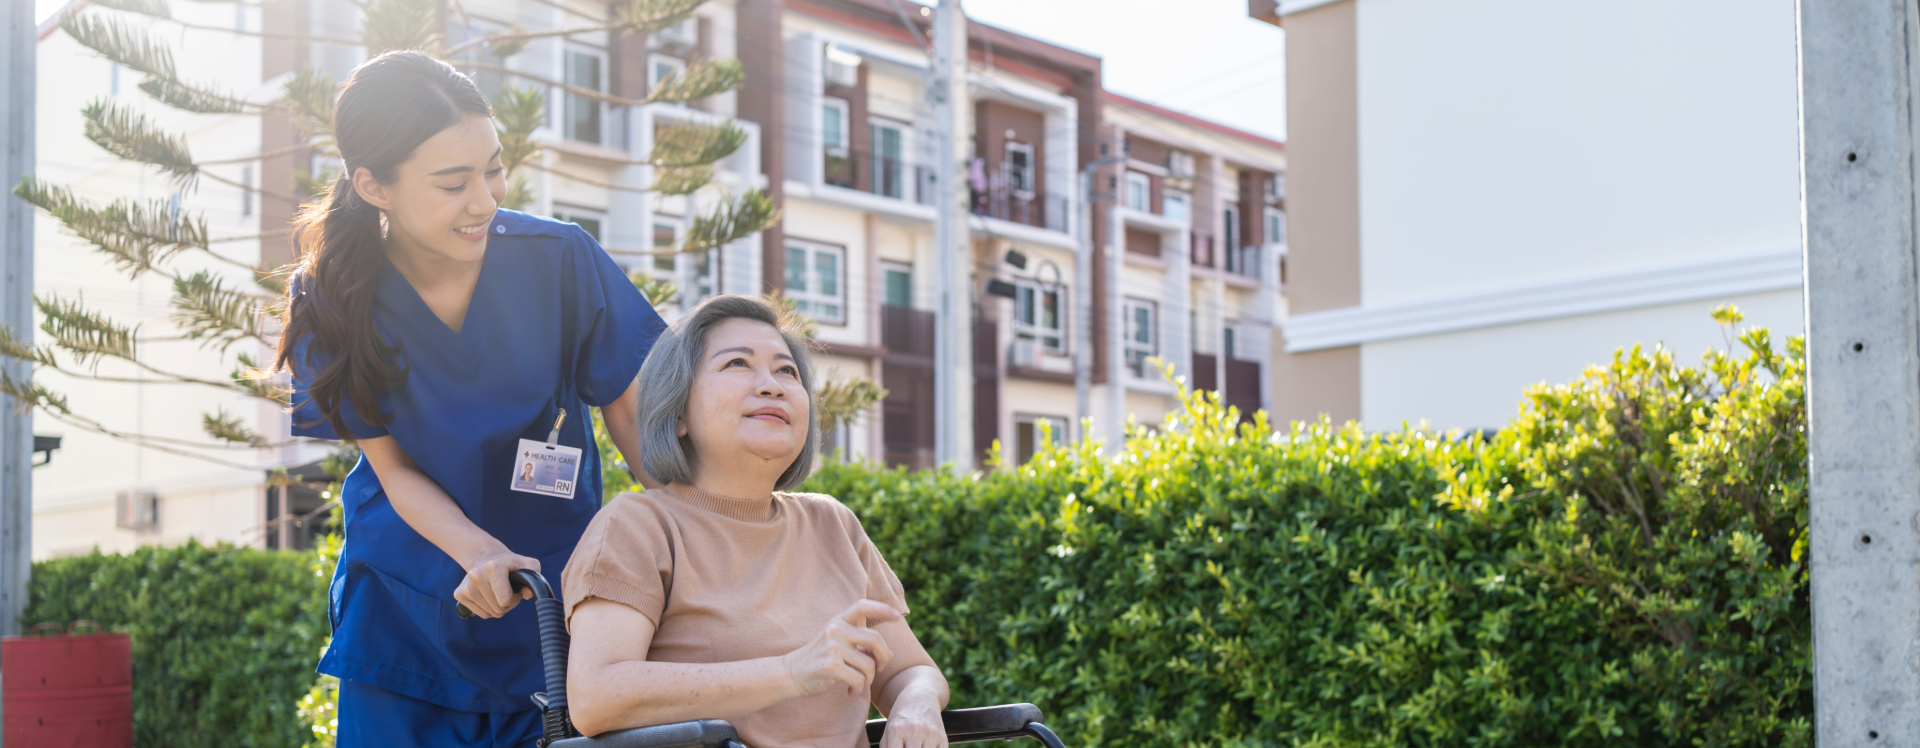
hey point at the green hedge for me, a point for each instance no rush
(224, 639)
(1622, 563)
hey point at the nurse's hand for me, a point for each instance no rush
(486, 591)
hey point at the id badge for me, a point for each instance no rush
(545, 468)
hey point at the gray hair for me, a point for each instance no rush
(666, 385)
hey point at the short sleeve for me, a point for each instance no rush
(616, 325)
(626, 556)
(307, 419)
(882, 584)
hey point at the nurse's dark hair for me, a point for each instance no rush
(391, 104)
(666, 386)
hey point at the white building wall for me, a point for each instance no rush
(1506, 143)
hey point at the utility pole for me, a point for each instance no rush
(953, 338)
(17, 74)
(1858, 111)
(1116, 313)
(1083, 293)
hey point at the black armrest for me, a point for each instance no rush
(702, 733)
(974, 725)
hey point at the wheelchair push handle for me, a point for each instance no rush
(521, 579)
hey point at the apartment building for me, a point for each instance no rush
(1177, 257)
(1495, 193)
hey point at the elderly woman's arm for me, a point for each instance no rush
(611, 685)
(913, 697)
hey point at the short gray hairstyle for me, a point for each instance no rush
(666, 385)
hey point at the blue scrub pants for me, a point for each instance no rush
(373, 717)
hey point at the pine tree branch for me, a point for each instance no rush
(519, 193)
(116, 40)
(694, 143)
(130, 136)
(681, 180)
(309, 96)
(698, 81)
(200, 101)
(157, 444)
(390, 25)
(841, 400)
(89, 336)
(208, 311)
(731, 221)
(259, 382)
(572, 89)
(136, 236)
(517, 113)
(638, 16)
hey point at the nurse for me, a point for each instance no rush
(461, 345)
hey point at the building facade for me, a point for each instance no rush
(1101, 232)
(1490, 194)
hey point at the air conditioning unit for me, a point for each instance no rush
(1277, 188)
(842, 68)
(1180, 164)
(1023, 353)
(138, 511)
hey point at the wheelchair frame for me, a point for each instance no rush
(1005, 722)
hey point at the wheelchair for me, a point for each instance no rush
(978, 725)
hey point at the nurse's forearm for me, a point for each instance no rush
(425, 506)
(623, 427)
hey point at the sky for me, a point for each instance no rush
(1201, 57)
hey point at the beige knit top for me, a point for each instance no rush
(725, 580)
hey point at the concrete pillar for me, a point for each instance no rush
(1857, 68)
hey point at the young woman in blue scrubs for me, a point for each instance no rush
(438, 331)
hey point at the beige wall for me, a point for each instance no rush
(1323, 209)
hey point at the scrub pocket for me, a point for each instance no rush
(401, 627)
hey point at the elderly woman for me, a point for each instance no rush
(723, 596)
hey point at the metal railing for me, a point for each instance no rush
(993, 194)
(885, 176)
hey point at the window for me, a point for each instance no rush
(662, 67)
(1230, 240)
(1180, 164)
(1175, 206)
(1276, 227)
(899, 283)
(1034, 433)
(683, 34)
(585, 220)
(1142, 337)
(842, 68)
(813, 280)
(1227, 336)
(1039, 315)
(706, 268)
(1138, 191)
(664, 235)
(888, 169)
(833, 126)
(1020, 168)
(583, 113)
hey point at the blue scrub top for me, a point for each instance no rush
(548, 300)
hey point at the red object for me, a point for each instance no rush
(68, 691)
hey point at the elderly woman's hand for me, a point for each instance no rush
(915, 722)
(847, 652)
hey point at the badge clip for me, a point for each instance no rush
(553, 437)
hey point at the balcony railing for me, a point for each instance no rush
(1243, 261)
(995, 194)
(881, 175)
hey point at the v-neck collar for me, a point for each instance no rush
(398, 294)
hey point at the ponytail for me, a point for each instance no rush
(332, 300)
(392, 104)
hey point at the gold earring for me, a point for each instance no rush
(383, 224)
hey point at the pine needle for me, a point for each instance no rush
(130, 136)
(519, 193)
(401, 25)
(13, 346)
(86, 334)
(681, 180)
(121, 43)
(199, 100)
(791, 318)
(30, 394)
(841, 400)
(654, 16)
(205, 309)
(257, 381)
(508, 43)
(309, 96)
(698, 81)
(731, 221)
(694, 143)
(517, 112)
(136, 236)
(154, 8)
(659, 292)
(228, 428)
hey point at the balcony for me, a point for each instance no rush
(884, 176)
(993, 194)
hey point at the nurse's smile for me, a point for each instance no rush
(440, 203)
